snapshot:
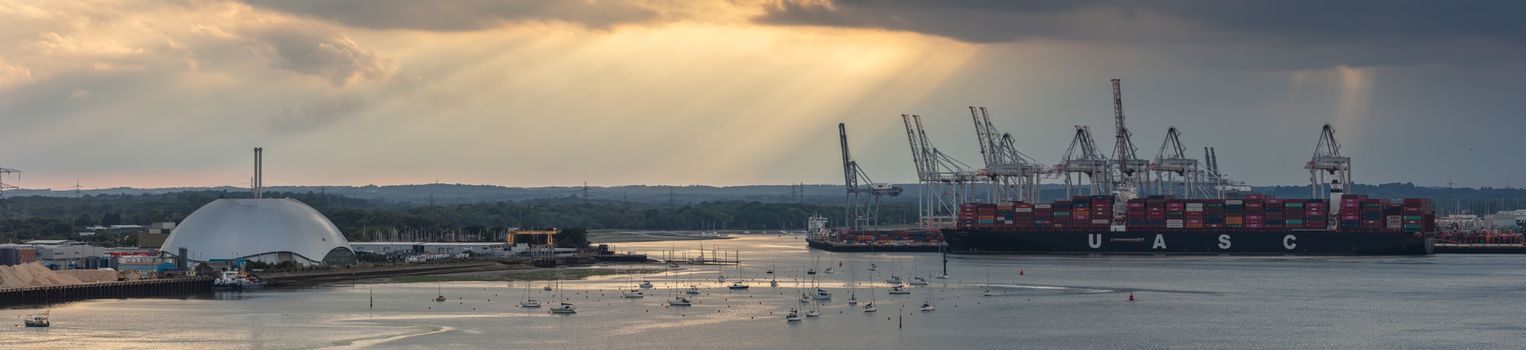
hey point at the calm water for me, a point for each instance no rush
(1459, 302)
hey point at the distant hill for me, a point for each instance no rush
(1447, 199)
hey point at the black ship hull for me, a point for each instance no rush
(1294, 242)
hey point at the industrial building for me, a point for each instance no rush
(259, 229)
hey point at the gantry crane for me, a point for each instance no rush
(1328, 164)
(1083, 158)
(1131, 170)
(1014, 176)
(1223, 185)
(863, 197)
(16, 174)
(945, 182)
(1175, 173)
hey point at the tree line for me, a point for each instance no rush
(26, 218)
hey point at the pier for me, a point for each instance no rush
(168, 287)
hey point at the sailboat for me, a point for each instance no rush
(927, 306)
(440, 298)
(853, 290)
(917, 280)
(988, 284)
(815, 310)
(739, 284)
(676, 299)
(869, 307)
(634, 293)
(564, 307)
(529, 302)
(944, 255)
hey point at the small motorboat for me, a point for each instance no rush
(928, 307)
(918, 281)
(645, 285)
(692, 290)
(813, 313)
(737, 285)
(547, 288)
(564, 308)
(810, 271)
(873, 267)
(822, 294)
(38, 321)
(852, 300)
(794, 316)
(898, 290)
(893, 280)
(986, 293)
(829, 271)
(869, 307)
(530, 304)
(680, 301)
(633, 294)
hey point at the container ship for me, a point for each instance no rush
(877, 240)
(1254, 224)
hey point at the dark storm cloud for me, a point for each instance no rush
(460, 15)
(1357, 32)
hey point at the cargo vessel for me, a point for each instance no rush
(877, 240)
(1255, 224)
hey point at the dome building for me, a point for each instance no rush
(260, 229)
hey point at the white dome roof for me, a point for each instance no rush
(240, 228)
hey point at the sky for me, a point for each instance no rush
(152, 93)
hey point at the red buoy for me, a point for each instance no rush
(1131, 296)
(1019, 272)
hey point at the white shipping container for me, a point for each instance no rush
(1234, 201)
(1099, 221)
(1044, 206)
(1176, 225)
(1024, 210)
(1194, 209)
(1194, 205)
(1177, 222)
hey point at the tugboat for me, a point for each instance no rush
(38, 321)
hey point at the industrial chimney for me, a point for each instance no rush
(259, 185)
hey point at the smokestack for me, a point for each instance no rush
(259, 171)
